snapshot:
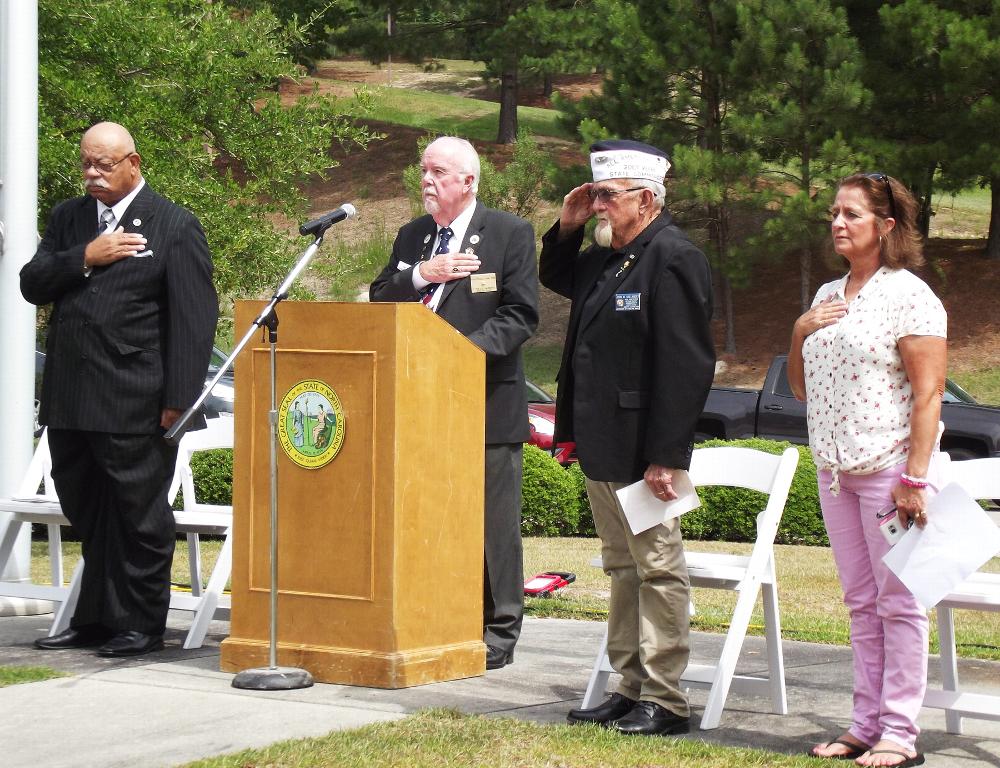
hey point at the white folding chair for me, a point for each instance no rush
(196, 518)
(747, 574)
(36, 502)
(980, 592)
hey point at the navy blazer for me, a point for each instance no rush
(639, 356)
(135, 336)
(498, 321)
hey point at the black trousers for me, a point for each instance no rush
(503, 582)
(113, 489)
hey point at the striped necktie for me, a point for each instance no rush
(445, 236)
(107, 222)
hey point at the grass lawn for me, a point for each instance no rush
(15, 675)
(442, 113)
(809, 593)
(810, 596)
(447, 739)
(541, 363)
(965, 215)
(984, 385)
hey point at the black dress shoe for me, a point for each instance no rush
(74, 637)
(130, 643)
(650, 719)
(497, 658)
(607, 712)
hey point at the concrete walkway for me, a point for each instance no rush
(175, 706)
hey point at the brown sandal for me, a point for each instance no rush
(856, 750)
(907, 762)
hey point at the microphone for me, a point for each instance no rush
(345, 211)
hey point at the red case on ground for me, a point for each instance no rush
(544, 584)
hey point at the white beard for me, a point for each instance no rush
(603, 233)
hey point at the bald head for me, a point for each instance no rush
(109, 161)
(112, 136)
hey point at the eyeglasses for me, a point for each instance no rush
(606, 195)
(888, 190)
(102, 168)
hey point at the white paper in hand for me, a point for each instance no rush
(643, 510)
(958, 538)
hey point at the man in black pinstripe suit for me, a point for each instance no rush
(129, 275)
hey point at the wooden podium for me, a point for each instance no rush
(380, 579)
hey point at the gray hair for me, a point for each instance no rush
(658, 190)
(466, 155)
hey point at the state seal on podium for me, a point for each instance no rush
(311, 424)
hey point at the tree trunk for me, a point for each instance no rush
(993, 239)
(547, 86)
(805, 267)
(924, 197)
(727, 302)
(507, 134)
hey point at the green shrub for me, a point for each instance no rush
(554, 499)
(550, 501)
(585, 517)
(729, 514)
(213, 477)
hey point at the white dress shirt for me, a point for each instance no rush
(458, 229)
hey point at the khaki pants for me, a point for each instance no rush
(650, 593)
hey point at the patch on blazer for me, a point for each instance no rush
(485, 282)
(627, 302)
(311, 424)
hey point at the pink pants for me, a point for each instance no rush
(888, 625)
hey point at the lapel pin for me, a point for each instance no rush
(427, 239)
(474, 239)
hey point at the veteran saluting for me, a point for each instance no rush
(636, 369)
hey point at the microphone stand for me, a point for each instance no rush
(272, 677)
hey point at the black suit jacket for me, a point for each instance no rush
(639, 358)
(136, 336)
(498, 321)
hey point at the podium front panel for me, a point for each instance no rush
(380, 547)
(325, 515)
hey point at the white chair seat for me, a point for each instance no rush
(747, 574)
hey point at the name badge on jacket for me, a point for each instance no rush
(484, 283)
(627, 302)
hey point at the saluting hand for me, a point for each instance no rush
(112, 247)
(576, 210)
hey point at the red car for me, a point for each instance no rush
(542, 423)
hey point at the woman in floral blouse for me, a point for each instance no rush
(869, 359)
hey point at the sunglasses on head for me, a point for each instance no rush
(888, 190)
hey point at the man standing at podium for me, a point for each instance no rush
(475, 267)
(129, 277)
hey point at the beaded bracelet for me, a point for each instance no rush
(913, 482)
